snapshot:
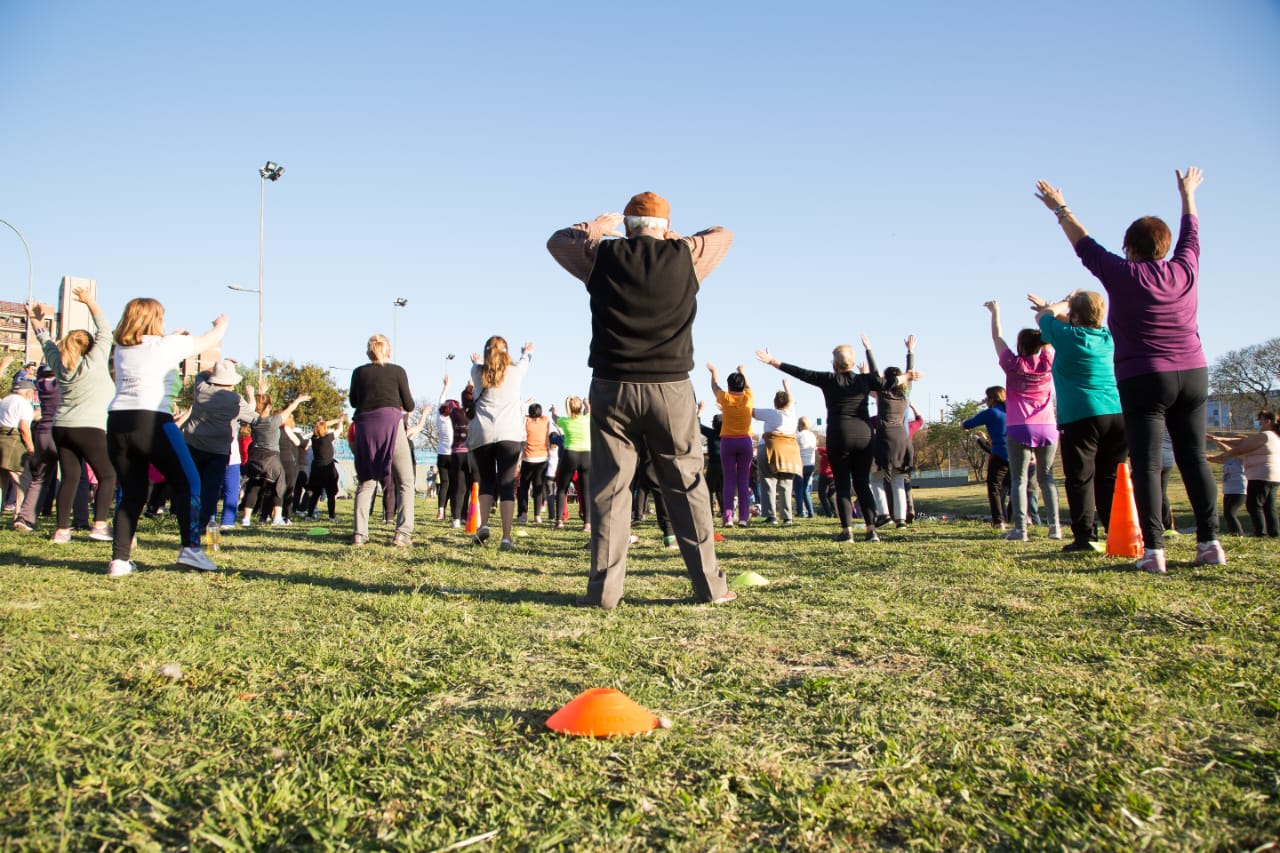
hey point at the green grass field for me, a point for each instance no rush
(940, 690)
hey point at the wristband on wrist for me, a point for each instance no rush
(1061, 212)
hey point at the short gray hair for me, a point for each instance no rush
(639, 223)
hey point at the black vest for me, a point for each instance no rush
(644, 296)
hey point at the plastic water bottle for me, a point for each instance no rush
(212, 536)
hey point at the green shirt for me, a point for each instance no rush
(577, 432)
(1084, 373)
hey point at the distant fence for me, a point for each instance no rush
(939, 479)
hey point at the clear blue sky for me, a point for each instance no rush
(876, 166)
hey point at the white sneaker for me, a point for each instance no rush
(1055, 532)
(224, 528)
(280, 522)
(120, 568)
(1210, 554)
(456, 524)
(194, 558)
(1152, 561)
(244, 522)
(1015, 535)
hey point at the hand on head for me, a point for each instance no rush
(610, 225)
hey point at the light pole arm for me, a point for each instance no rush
(30, 292)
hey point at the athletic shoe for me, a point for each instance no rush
(899, 524)
(61, 537)
(669, 542)
(401, 540)
(1153, 562)
(281, 522)
(331, 518)
(633, 539)
(845, 535)
(245, 523)
(522, 519)
(457, 523)
(358, 541)
(771, 520)
(1080, 548)
(101, 532)
(439, 515)
(120, 568)
(482, 535)
(506, 545)
(1015, 535)
(537, 519)
(1055, 532)
(22, 526)
(729, 595)
(194, 558)
(871, 536)
(226, 527)
(882, 520)
(1210, 554)
(742, 524)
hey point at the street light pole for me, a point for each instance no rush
(399, 303)
(270, 172)
(26, 341)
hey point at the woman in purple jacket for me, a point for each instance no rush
(1161, 369)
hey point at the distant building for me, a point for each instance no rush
(13, 332)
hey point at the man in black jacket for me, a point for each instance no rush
(643, 290)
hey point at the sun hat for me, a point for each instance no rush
(225, 373)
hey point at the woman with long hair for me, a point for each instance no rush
(380, 395)
(993, 418)
(736, 446)
(497, 431)
(1031, 427)
(141, 431)
(266, 469)
(81, 364)
(323, 476)
(849, 435)
(1161, 370)
(461, 475)
(575, 458)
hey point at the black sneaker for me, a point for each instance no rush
(871, 536)
(844, 536)
(482, 535)
(1080, 548)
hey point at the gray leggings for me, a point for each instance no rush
(1019, 465)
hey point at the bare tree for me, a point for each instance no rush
(1250, 372)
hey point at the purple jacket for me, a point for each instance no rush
(1153, 305)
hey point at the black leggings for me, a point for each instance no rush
(851, 468)
(531, 481)
(1175, 400)
(460, 477)
(136, 439)
(496, 464)
(77, 445)
(444, 485)
(1261, 502)
(324, 478)
(997, 480)
(1230, 508)
(572, 461)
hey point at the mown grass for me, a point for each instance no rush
(940, 690)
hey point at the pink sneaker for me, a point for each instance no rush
(1152, 561)
(1210, 554)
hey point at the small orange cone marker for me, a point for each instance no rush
(603, 712)
(473, 512)
(1124, 536)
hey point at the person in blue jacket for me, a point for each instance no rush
(992, 417)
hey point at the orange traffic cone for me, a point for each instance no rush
(1124, 535)
(473, 511)
(602, 712)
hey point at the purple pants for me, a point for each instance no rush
(735, 459)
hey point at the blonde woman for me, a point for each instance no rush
(141, 431)
(575, 426)
(497, 433)
(380, 395)
(79, 362)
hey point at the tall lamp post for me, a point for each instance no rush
(946, 401)
(399, 303)
(26, 341)
(270, 172)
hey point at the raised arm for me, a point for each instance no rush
(297, 401)
(1187, 185)
(872, 370)
(996, 339)
(211, 338)
(715, 380)
(1052, 199)
(1057, 310)
(742, 369)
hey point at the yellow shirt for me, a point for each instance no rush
(735, 412)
